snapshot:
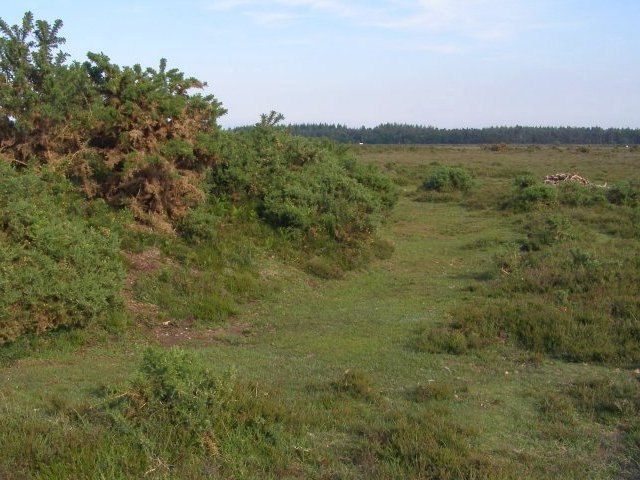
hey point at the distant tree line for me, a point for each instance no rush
(394, 133)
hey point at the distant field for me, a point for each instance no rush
(500, 339)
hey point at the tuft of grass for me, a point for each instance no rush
(324, 268)
(437, 390)
(442, 340)
(424, 446)
(606, 400)
(557, 408)
(382, 249)
(356, 384)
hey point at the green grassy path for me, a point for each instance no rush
(306, 335)
(366, 320)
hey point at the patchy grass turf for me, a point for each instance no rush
(359, 391)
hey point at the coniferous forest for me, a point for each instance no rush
(402, 134)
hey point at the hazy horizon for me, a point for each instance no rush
(445, 63)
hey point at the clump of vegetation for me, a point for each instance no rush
(424, 446)
(177, 411)
(557, 292)
(437, 390)
(57, 269)
(138, 138)
(442, 340)
(175, 419)
(604, 399)
(624, 193)
(554, 297)
(140, 141)
(324, 268)
(310, 188)
(448, 179)
(356, 384)
(530, 194)
(545, 230)
(133, 136)
(575, 194)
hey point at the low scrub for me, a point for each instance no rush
(563, 300)
(606, 400)
(442, 340)
(424, 446)
(446, 179)
(57, 269)
(575, 194)
(530, 194)
(569, 289)
(174, 419)
(625, 193)
(545, 230)
(312, 188)
(177, 411)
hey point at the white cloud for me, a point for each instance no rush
(272, 18)
(479, 19)
(337, 7)
(485, 20)
(442, 49)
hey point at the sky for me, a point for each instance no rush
(442, 63)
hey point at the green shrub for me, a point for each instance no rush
(543, 231)
(174, 419)
(624, 193)
(178, 411)
(201, 223)
(530, 194)
(141, 140)
(136, 137)
(575, 194)
(309, 186)
(448, 179)
(57, 270)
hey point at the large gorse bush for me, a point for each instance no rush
(144, 141)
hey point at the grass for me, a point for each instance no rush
(361, 376)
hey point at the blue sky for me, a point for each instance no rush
(446, 63)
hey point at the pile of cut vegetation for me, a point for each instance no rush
(565, 177)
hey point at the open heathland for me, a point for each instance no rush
(494, 336)
(180, 301)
